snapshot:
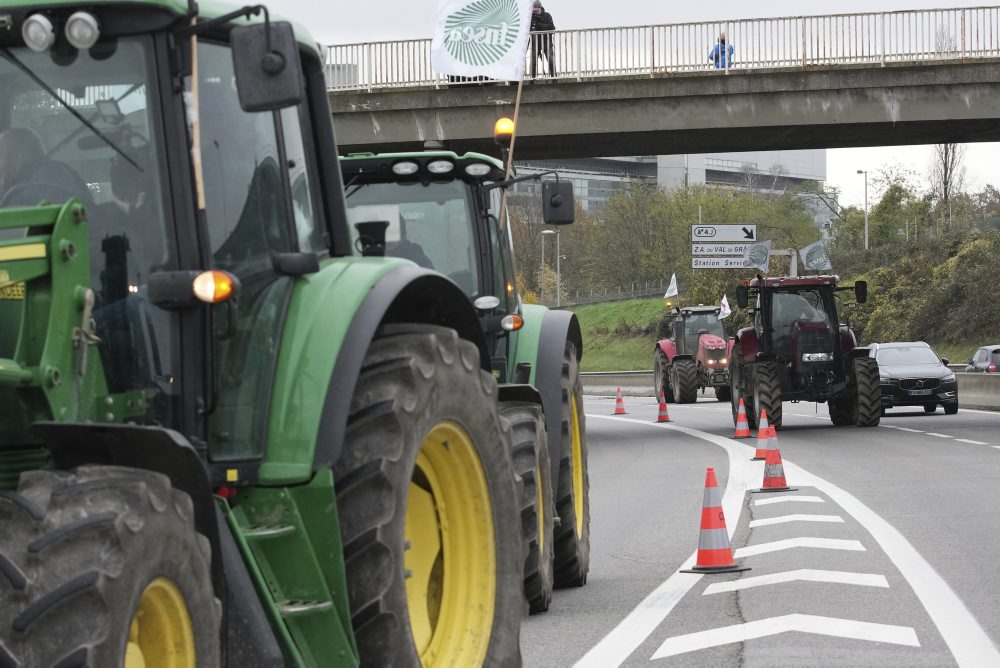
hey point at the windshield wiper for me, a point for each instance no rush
(12, 59)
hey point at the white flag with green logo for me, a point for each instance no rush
(481, 38)
(815, 257)
(757, 255)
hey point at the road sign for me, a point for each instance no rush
(717, 262)
(718, 249)
(723, 233)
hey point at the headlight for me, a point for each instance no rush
(817, 357)
(440, 166)
(38, 33)
(477, 169)
(711, 362)
(950, 378)
(82, 30)
(724, 361)
(405, 168)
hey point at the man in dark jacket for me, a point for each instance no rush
(28, 175)
(541, 21)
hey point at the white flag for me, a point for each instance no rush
(672, 288)
(725, 311)
(486, 38)
(815, 257)
(757, 255)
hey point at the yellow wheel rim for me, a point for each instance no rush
(577, 448)
(160, 634)
(451, 559)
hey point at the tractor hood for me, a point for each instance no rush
(712, 341)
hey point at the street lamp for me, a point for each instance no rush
(865, 172)
(545, 232)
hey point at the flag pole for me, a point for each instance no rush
(510, 154)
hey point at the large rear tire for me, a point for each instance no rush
(102, 566)
(661, 376)
(841, 412)
(428, 505)
(868, 396)
(572, 542)
(723, 393)
(738, 388)
(767, 392)
(685, 381)
(530, 453)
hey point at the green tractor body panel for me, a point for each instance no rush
(322, 308)
(524, 342)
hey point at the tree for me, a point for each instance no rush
(947, 177)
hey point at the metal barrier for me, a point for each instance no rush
(873, 39)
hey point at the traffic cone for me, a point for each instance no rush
(663, 415)
(619, 404)
(774, 471)
(715, 554)
(742, 426)
(764, 434)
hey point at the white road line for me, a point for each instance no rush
(966, 639)
(808, 574)
(931, 433)
(995, 446)
(795, 518)
(965, 440)
(785, 499)
(827, 626)
(912, 431)
(792, 543)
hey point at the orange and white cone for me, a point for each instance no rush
(764, 435)
(774, 471)
(619, 404)
(715, 553)
(742, 426)
(663, 415)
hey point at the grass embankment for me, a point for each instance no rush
(619, 336)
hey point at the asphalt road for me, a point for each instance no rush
(886, 553)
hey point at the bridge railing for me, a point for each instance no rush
(653, 50)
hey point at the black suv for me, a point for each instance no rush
(912, 374)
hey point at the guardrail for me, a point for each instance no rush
(975, 390)
(875, 39)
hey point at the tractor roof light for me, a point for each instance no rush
(213, 287)
(405, 168)
(38, 33)
(512, 323)
(477, 169)
(486, 303)
(82, 30)
(440, 166)
(503, 131)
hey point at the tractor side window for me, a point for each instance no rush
(302, 175)
(503, 260)
(247, 210)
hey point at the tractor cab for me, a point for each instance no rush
(692, 323)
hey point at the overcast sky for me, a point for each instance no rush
(377, 20)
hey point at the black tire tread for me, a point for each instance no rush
(660, 363)
(868, 411)
(687, 381)
(766, 378)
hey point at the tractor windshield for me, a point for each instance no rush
(790, 308)
(85, 124)
(697, 324)
(431, 224)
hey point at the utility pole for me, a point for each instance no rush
(865, 172)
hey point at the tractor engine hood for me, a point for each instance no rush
(712, 341)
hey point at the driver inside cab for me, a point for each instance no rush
(790, 308)
(28, 175)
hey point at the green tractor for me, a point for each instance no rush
(443, 211)
(225, 438)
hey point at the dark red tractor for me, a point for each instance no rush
(797, 350)
(695, 356)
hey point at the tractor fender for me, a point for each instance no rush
(525, 393)
(669, 348)
(332, 318)
(847, 338)
(749, 344)
(547, 337)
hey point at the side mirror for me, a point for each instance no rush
(861, 291)
(742, 296)
(557, 202)
(944, 360)
(266, 63)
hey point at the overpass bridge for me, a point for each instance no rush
(870, 79)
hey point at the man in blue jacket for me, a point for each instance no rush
(721, 53)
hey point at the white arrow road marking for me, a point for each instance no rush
(963, 634)
(808, 574)
(784, 499)
(790, 543)
(965, 440)
(827, 626)
(795, 518)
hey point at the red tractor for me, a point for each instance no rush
(695, 356)
(797, 350)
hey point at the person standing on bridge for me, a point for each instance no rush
(722, 53)
(541, 21)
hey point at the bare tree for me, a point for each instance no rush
(948, 175)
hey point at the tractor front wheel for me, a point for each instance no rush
(841, 412)
(868, 392)
(661, 376)
(767, 392)
(530, 453)
(723, 393)
(738, 388)
(684, 379)
(429, 507)
(102, 566)
(573, 493)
